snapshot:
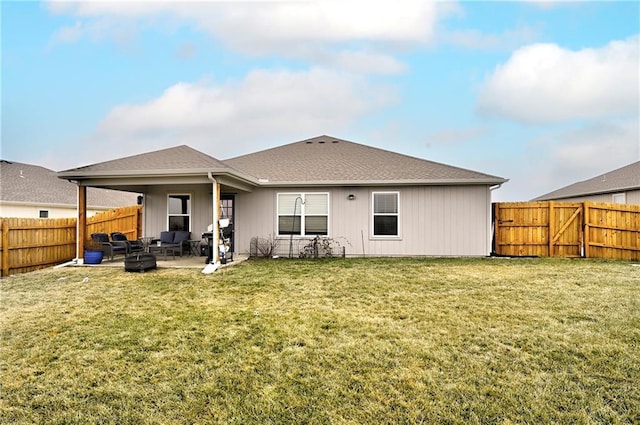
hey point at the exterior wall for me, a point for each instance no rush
(632, 197)
(33, 211)
(155, 208)
(434, 220)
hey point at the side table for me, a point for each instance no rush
(146, 241)
(194, 246)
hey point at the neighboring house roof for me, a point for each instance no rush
(619, 180)
(31, 184)
(328, 160)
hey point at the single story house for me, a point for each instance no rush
(372, 201)
(32, 191)
(621, 186)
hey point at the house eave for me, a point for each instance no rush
(550, 196)
(399, 182)
(81, 175)
(166, 176)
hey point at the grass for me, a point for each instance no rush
(337, 341)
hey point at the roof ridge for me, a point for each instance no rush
(344, 160)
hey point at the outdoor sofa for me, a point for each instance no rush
(174, 238)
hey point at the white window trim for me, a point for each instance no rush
(299, 209)
(373, 214)
(169, 195)
(619, 198)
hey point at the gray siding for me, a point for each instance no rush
(434, 220)
(155, 208)
(632, 197)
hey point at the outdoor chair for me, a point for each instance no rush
(110, 248)
(175, 238)
(132, 245)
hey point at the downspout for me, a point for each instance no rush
(81, 225)
(215, 259)
(490, 215)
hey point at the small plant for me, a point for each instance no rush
(264, 247)
(92, 245)
(319, 247)
(93, 252)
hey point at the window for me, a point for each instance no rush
(44, 214)
(385, 214)
(303, 214)
(179, 212)
(619, 198)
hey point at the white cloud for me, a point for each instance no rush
(544, 83)
(365, 62)
(452, 136)
(275, 21)
(355, 34)
(279, 24)
(69, 34)
(560, 157)
(264, 104)
(478, 40)
(600, 146)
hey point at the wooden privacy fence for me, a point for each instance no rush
(29, 244)
(127, 220)
(558, 229)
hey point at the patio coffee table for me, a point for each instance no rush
(164, 250)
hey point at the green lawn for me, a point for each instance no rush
(336, 341)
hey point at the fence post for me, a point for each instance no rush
(81, 223)
(582, 229)
(5, 248)
(551, 228)
(496, 228)
(585, 232)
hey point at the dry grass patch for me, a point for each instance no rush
(339, 341)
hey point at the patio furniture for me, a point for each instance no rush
(173, 238)
(132, 245)
(146, 241)
(140, 262)
(110, 248)
(194, 245)
(165, 249)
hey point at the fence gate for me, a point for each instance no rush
(565, 230)
(542, 229)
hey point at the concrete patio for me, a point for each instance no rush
(184, 262)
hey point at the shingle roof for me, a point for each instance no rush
(168, 160)
(327, 159)
(28, 183)
(621, 179)
(321, 160)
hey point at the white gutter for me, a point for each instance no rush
(489, 213)
(215, 259)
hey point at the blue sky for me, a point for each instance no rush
(543, 93)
